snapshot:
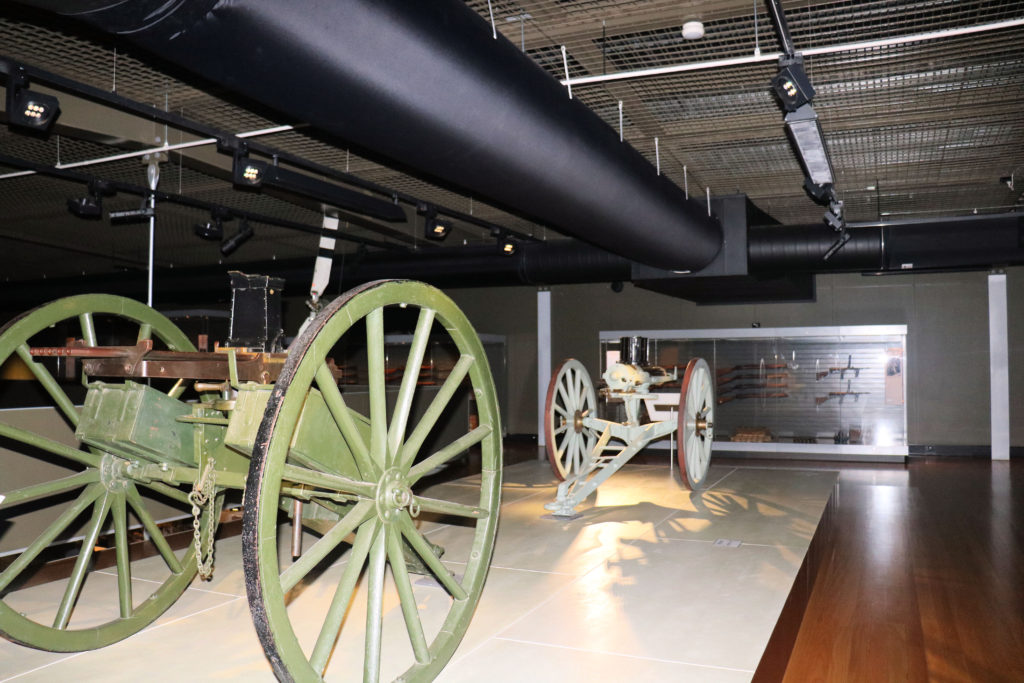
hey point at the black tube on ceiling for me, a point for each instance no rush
(425, 84)
(919, 244)
(542, 263)
(802, 248)
(971, 241)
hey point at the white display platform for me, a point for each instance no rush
(648, 584)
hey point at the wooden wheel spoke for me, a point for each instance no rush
(564, 395)
(422, 548)
(78, 572)
(378, 390)
(149, 524)
(346, 423)
(328, 481)
(403, 585)
(49, 445)
(84, 500)
(375, 607)
(343, 596)
(166, 490)
(49, 488)
(447, 507)
(403, 404)
(434, 411)
(85, 321)
(450, 451)
(566, 441)
(52, 387)
(124, 572)
(328, 542)
(560, 410)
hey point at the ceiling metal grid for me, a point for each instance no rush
(915, 130)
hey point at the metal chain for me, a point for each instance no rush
(204, 493)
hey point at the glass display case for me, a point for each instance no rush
(832, 391)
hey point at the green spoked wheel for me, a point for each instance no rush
(56, 493)
(320, 618)
(696, 423)
(570, 398)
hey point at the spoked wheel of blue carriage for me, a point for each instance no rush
(358, 457)
(71, 520)
(696, 423)
(570, 398)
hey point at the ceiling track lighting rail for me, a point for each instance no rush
(225, 139)
(182, 200)
(254, 174)
(795, 92)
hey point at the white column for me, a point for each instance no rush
(999, 366)
(543, 357)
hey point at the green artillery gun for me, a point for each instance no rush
(585, 450)
(165, 427)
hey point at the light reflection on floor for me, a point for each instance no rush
(635, 589)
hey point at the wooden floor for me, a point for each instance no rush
(926, 577)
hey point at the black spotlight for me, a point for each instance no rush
(213, 229)
(791, 83)
(248, 172)
(29, 110)
(244, 234)
(508, 246)
(436, 228)
(91, 206)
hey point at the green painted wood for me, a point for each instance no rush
(85, 313)
(389, 489)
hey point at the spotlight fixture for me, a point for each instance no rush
(508, 246)
(256, 174)
(795, 92)
(437, 228)
(805, 131)
(213, 229)
(90, 206)
(244, 234)
(791, 83)
(32, 111)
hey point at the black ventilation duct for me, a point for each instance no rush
(783, 261)
(907, 245)
(425, 84)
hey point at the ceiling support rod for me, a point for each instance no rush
(774, 56)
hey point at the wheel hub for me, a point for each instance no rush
(393, 495)
(112, 473)
(577, 421)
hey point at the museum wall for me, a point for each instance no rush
(946, 315)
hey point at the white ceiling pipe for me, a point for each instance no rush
(773, 56)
